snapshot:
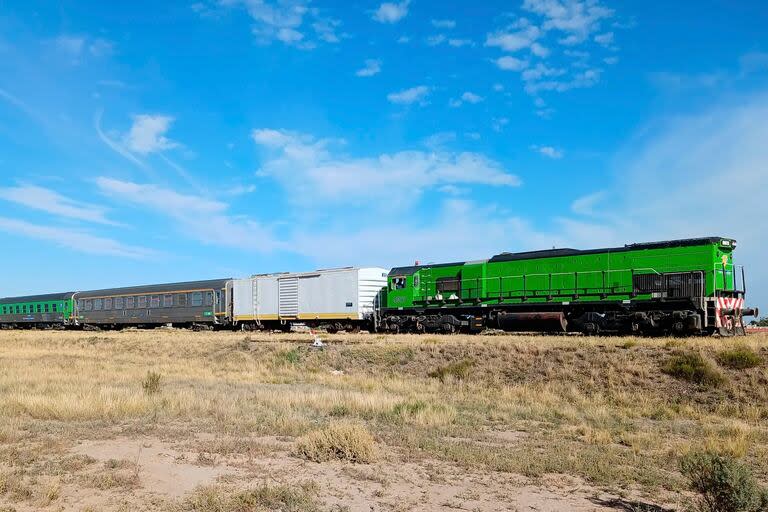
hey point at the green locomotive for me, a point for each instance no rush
(676, 287)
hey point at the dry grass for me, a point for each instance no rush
(339, 441)
(596, 408)
(261, 499)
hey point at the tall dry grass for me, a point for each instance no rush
(598, 408)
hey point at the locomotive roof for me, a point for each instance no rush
(50, 297)
(554, 253)
(214, 284)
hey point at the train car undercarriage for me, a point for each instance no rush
(683, 318)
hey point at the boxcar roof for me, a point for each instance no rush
(212, 284)
(554, 253)
(51, 297)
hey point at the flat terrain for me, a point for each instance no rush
(179, 421)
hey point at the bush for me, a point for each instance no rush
(739, 358)
(693, 367)
(286, 498)
(151, 383)
(725, 485)
(458, 371)
(340, 441)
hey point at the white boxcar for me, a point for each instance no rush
(324, 296)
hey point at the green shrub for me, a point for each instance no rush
(739, 358)
(693, 367)
(458, 371)
(292, 356)
(724, 484)
(151, 383)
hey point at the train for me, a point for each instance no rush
(678, 287)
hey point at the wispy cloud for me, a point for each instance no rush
(467, 97)
(372, 67)
(416, 94)
(577, 19)
(585, 205)
(147, 134)
(390, 12)
(291, 22)
(549, 151)
(446, 24)
(195, 216)
(114, 145)
(49, 201)
(508, 63)
(313, 171)
(73, 239)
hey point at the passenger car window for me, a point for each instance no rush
(181, 299)
(98, 304)
(54, 307)
(130, 302)
(167, 301)
(154, 301)
(197, 299)
(142, 304)
(119, 303)
(209, 298)
(108, 303)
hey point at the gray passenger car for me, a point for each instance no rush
(195, 303)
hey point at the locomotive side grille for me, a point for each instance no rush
(672, 285)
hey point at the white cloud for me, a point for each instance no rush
(549, 152)
(147, 134)
(49, 201)
(403, 40)
(458, 43)
(671, 81)
(101, 47)
(541, 71)
(470, 97)
(467, 97)
(311, 171)
(604, 39)
(539, 50)
(287, 21)
(582, 80)
(522, 35)
(197, 217)
(585, 205)
(372, 67)
(439, 140)
(390, 12)
(508, 63)
(409, 96)
(498, 124)
(436, 40)
(611, 60)
(753, 62)
(75, 240)
(498, 87)
(448, 24)
(576, 18)
(71, 45)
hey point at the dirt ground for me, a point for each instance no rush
(483, 423)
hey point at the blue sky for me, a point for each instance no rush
(162, 141)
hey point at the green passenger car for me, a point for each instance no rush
(681, 286)
(52, 310)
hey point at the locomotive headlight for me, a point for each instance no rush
(726, 243)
